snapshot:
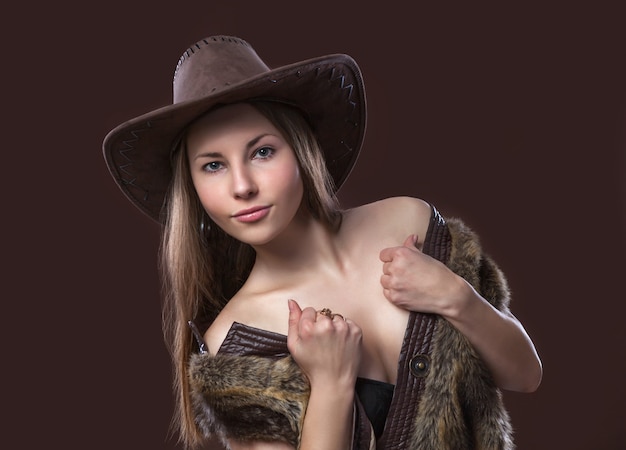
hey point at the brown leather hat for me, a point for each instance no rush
(222, 70)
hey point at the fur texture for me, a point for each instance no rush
(249, 397)
(461, 408)
(256, 398)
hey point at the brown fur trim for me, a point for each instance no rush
(468, 260)
(248, 397)
(461, 408)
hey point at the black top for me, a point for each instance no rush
(375, 396)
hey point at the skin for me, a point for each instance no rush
(372, 272)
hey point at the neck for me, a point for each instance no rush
(308, 246)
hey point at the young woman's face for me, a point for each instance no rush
(246, 175)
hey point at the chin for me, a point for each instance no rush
(254, 238)
(259, 241)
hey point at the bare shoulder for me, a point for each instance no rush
(396, 217)
(409, 208)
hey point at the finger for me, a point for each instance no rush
(385, 281)
(340, 324)
(294, 317)
(410, 241)
(354, 328)
(308, 314)
(386, 254)
(323, 314)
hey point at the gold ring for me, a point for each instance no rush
(326, 312)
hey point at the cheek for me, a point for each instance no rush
(211, 199)
(294, 179)
(217, 210)
(290, 182)
(208, 202)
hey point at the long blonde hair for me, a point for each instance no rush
(203, 267)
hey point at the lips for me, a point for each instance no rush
(253, 214)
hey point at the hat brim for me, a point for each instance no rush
(329, 89)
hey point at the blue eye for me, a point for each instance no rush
(264, 152)
(213, 166)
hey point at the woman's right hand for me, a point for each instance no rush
(326, 347)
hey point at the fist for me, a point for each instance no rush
(414, 281)
(326, 346)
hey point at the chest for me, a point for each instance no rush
(359, 297)
(382, 323)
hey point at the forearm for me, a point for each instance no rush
(499, 338)
(328, 422)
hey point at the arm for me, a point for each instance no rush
(328, 352)
(417, 282)
(498, 337)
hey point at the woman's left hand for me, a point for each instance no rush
(416, 282)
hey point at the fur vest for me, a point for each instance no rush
(460, 408)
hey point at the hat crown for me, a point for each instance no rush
(213, 64)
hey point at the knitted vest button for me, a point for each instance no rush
(419, 365)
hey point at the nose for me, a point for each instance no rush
(244, 185)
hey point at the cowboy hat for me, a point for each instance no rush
(222, 70)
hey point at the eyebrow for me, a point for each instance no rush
(251, 143)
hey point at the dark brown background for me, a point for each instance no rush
(514, 119)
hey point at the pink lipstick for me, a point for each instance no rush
(253, 214)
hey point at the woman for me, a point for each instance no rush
(382, 326)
